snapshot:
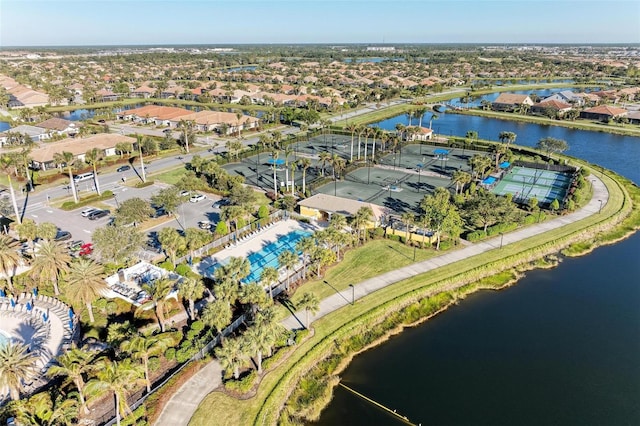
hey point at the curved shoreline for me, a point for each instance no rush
(612, 221)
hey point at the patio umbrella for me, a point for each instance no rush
(29, 307)
(45, 318)
(13, 303)
(70, 313)
(2, 293)
(35, 292)
(71, 324)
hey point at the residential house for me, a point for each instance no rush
(144, 92)
(416, 133)
(558, 108)
(566, 96)
(510, 102)
(322, 206)
(219, 121)
(634, 117)
(36, 134)
(106, 95)
(603, 113)
(59, 126)
(43, 157)
(152, 114)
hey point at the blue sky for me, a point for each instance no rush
(117, 22)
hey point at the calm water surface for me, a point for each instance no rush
(562, 347)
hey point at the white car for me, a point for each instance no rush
(184, 193)
(197, 197)
(87, 212)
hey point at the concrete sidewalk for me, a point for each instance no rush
(184, 403)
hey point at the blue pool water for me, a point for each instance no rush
(268, 256)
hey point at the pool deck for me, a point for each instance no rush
(254, 244)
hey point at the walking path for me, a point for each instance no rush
(183, 403)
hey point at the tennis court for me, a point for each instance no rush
(525, 183)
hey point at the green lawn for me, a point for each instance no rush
(170, 176)
(276, 384)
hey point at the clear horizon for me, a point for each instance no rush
(76, 23)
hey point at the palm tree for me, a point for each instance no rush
(360, 220)
(310, 303)
(119, 378)
(217, 315)
(305, 245)
(499, 151)
(67, 158)
(274, 158)
(362, 130)
(28, 230)
(187, 128)
(287, 260)
(507, 137)
(85, 283)
(51, 259)
(145, 346)
(408, 219)
(268, 277)
(52, 408)
(420, 112)
(287, 152)
(258, 338)
(74, 364)
(7, 164)
(171, 242)
(325, 157)
(351, 128)
(158, 292)
(433, 117)
(232, 356)
(253, 295)
(227, 290)
(17, 366)
(10, 258)
(337, 222)
(460, 178)
(93, 156)
(191, 289)
(304, 163)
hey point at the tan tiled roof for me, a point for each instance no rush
(510, 98)
(78, 146)
(606, 110)
(56, 123)
(344, 206)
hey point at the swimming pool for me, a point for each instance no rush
(268, 255)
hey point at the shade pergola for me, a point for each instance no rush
(275, 161)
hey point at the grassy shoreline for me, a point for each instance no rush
(278, 384)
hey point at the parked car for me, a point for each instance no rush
(98, 214)
(123, 168)
(220, 203)
(86, 212)
(62, 236)
(75, 245)
(86, 249)
(204, 224)
(197, 197)
(184, 193)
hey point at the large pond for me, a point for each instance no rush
(560, 347)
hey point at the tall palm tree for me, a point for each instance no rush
(17, 366)
(191, 289)
(10, 258)
(351, 128)
(7, 164)
(460, 178)
(304, 163)
(187, 129)
(361, 130)
(74, 364)
(67, 158)
(325, 157)
(360, 220)
(51, 259)
(420, 112)
(287, 260)
(217, 315)
(171, 242)
(145, 346)
(28, 230)
(408, 219)
(268, 277)
(85, 283)
(274, 157)
(118, 378)
(305, 245)
(93, 156)
(49, 408)
(287, 152)
(310, 303)
(232, 356)
(254, 296)
(158, 292)
(258, 339)
(227, 290)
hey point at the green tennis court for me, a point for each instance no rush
(525, 183)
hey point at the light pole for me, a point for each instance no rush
(600, 209)
(414, 253)
(353, 294)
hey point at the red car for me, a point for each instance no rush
(86, 249)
